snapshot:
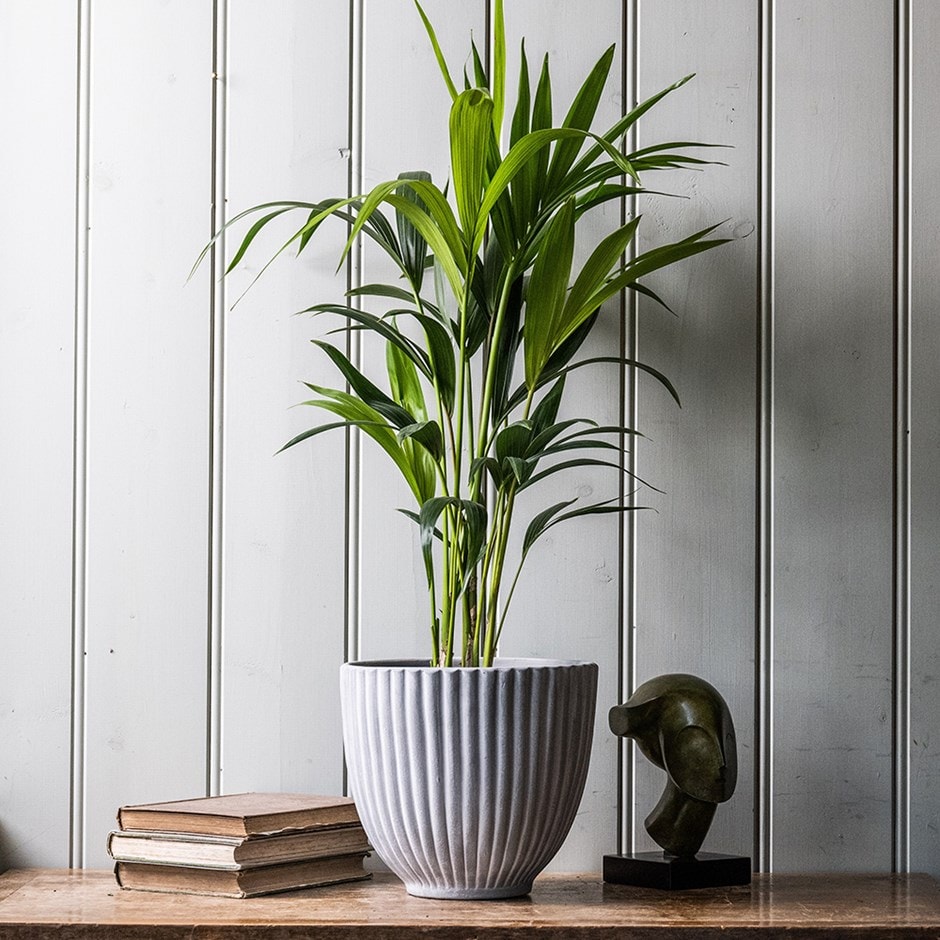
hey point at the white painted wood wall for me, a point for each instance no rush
(175, 600)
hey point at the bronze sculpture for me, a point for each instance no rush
(682, 725)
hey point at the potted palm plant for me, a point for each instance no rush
(468, 769)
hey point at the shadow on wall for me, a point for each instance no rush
(4, 852)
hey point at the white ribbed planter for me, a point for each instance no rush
(467, 780)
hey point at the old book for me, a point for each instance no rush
(234, 852)
(245, 883)
(241, 814)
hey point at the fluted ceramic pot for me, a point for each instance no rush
(467, 780)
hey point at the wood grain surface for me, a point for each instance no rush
(66, 904)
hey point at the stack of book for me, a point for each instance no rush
(240, 845)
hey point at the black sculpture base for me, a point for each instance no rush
(658, 870)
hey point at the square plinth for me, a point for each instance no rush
(658, 870)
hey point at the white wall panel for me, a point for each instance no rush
(219, 586)
(695, 563)
(404, 126)
(568, 599)
(37, 273)
(283, 520)
(925, 442)
(834, 414)
(148, 396)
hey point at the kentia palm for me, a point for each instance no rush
(503, 286)
(487, 283)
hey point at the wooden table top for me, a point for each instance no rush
(46, 903)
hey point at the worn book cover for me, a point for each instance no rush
(241, 814)
(234, 852)
(245, 883)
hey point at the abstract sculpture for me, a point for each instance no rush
(682, 725)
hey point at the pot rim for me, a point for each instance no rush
(502, 663)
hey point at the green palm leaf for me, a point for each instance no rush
(549, 518)
(513, 440)
(370, 394)
(540, 523)
(439, 55)
(414, 248)
(405, 385)
(499, 68)
(358, 413)
(426, 433)
(645, 264)
(620, 128)
(381, 290)
(286, 204)
(453, 265)
(547, 409)
(519, 155)
(603, 259)
(545, 298)
(470, 120)
(382, 327)
(580, 116)
(440, 355)
(569, 465)
(332, 426)
(474, 517)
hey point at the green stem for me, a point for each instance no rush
(496, 576)
(494, 620)
(461, 385)
(471, 590)
(432, 597)
(470, 422)
(452, 546)
(498, 506)
(490, 379)
(451, 592)
(445, 595)
(445, 621)
(482, 648)
(512, 590)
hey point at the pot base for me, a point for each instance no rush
(468, 894)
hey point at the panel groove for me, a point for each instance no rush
(352, 616)
(764, 659)
(218, 300)
(80, 438)
(629, 87)
(902, 443)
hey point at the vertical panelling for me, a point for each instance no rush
(925, 442)
(629, 409)
(764, 470)
(37, 271)
(696, 579)
(148, 357)
(215, 257)
(168, 385)
(282, 568)
(834, 387)
(404, 125)
(568, 599)
(901, 678)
